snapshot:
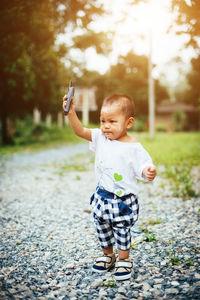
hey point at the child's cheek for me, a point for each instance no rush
(119, 126)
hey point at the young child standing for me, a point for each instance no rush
(119, 161)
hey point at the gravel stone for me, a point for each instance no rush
(98, 282)
(146, 286)
(48, 241)
(175, 283)
(158, 280)
(102, 294)
(172, 291)
(121, 290)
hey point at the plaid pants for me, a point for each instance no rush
(113, 218)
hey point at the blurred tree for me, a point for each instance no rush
(128, 76)
(188, 19)
(193, 93)
(29, 60)
(193, 80)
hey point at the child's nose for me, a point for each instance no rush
(107, 125)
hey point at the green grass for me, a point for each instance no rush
(178, 152)
(47, 138)
(165, 149)
(170, 149)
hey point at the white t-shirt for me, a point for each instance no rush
(118, 165)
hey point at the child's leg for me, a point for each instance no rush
(108, 250)
(106, 239)
(105, 236)
(123, 254)
(123, 266)
(123, 240)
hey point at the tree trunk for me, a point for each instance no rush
(4, 130)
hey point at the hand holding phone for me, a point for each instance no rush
(69, 96)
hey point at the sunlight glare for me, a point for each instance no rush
(134, 24)
(139, 20)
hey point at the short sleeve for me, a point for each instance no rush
(95, 134)
(142, 160)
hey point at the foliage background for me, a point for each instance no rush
(32, 69)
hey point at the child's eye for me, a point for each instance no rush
(102, 121)
(112, 121)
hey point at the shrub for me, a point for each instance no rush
(139, 126)
(179, 120)
(26, 133)
(161, 128)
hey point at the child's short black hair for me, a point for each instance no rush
(126, 103)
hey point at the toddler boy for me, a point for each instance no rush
(119, 161)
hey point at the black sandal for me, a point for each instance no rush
(123, 269)
(104, 263)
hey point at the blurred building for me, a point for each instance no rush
(85, 102)
(171, 116)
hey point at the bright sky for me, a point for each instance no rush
(131, 26)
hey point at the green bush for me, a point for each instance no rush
(29, 135)
(139, 126)
(161, 128)
(26, 132)
(179, 120)
(23, 128)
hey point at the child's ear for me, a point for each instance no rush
(130, 122)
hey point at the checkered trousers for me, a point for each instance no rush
(112, 222)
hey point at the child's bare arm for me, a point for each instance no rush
(149, 173)
(75, 123)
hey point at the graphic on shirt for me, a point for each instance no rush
(118, 177)
(110, 174)
(119, 193)
(99, 164)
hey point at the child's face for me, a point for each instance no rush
(113, 121)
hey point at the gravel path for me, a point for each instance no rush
(48, 242)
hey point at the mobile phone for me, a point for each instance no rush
(70, 94)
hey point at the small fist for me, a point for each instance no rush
(149, 173)
(64, 101)
(72, 105)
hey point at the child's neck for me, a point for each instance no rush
(127, 139)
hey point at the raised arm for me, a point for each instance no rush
(75, 123)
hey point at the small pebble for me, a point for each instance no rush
(96, 283)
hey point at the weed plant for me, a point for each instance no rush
(149, 235)
(155, 221)
(173, 256)
(189, 263)
(181, 181)
(110, 284)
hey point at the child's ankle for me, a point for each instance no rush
(109, 254)
(123, 258)
(123, 254)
